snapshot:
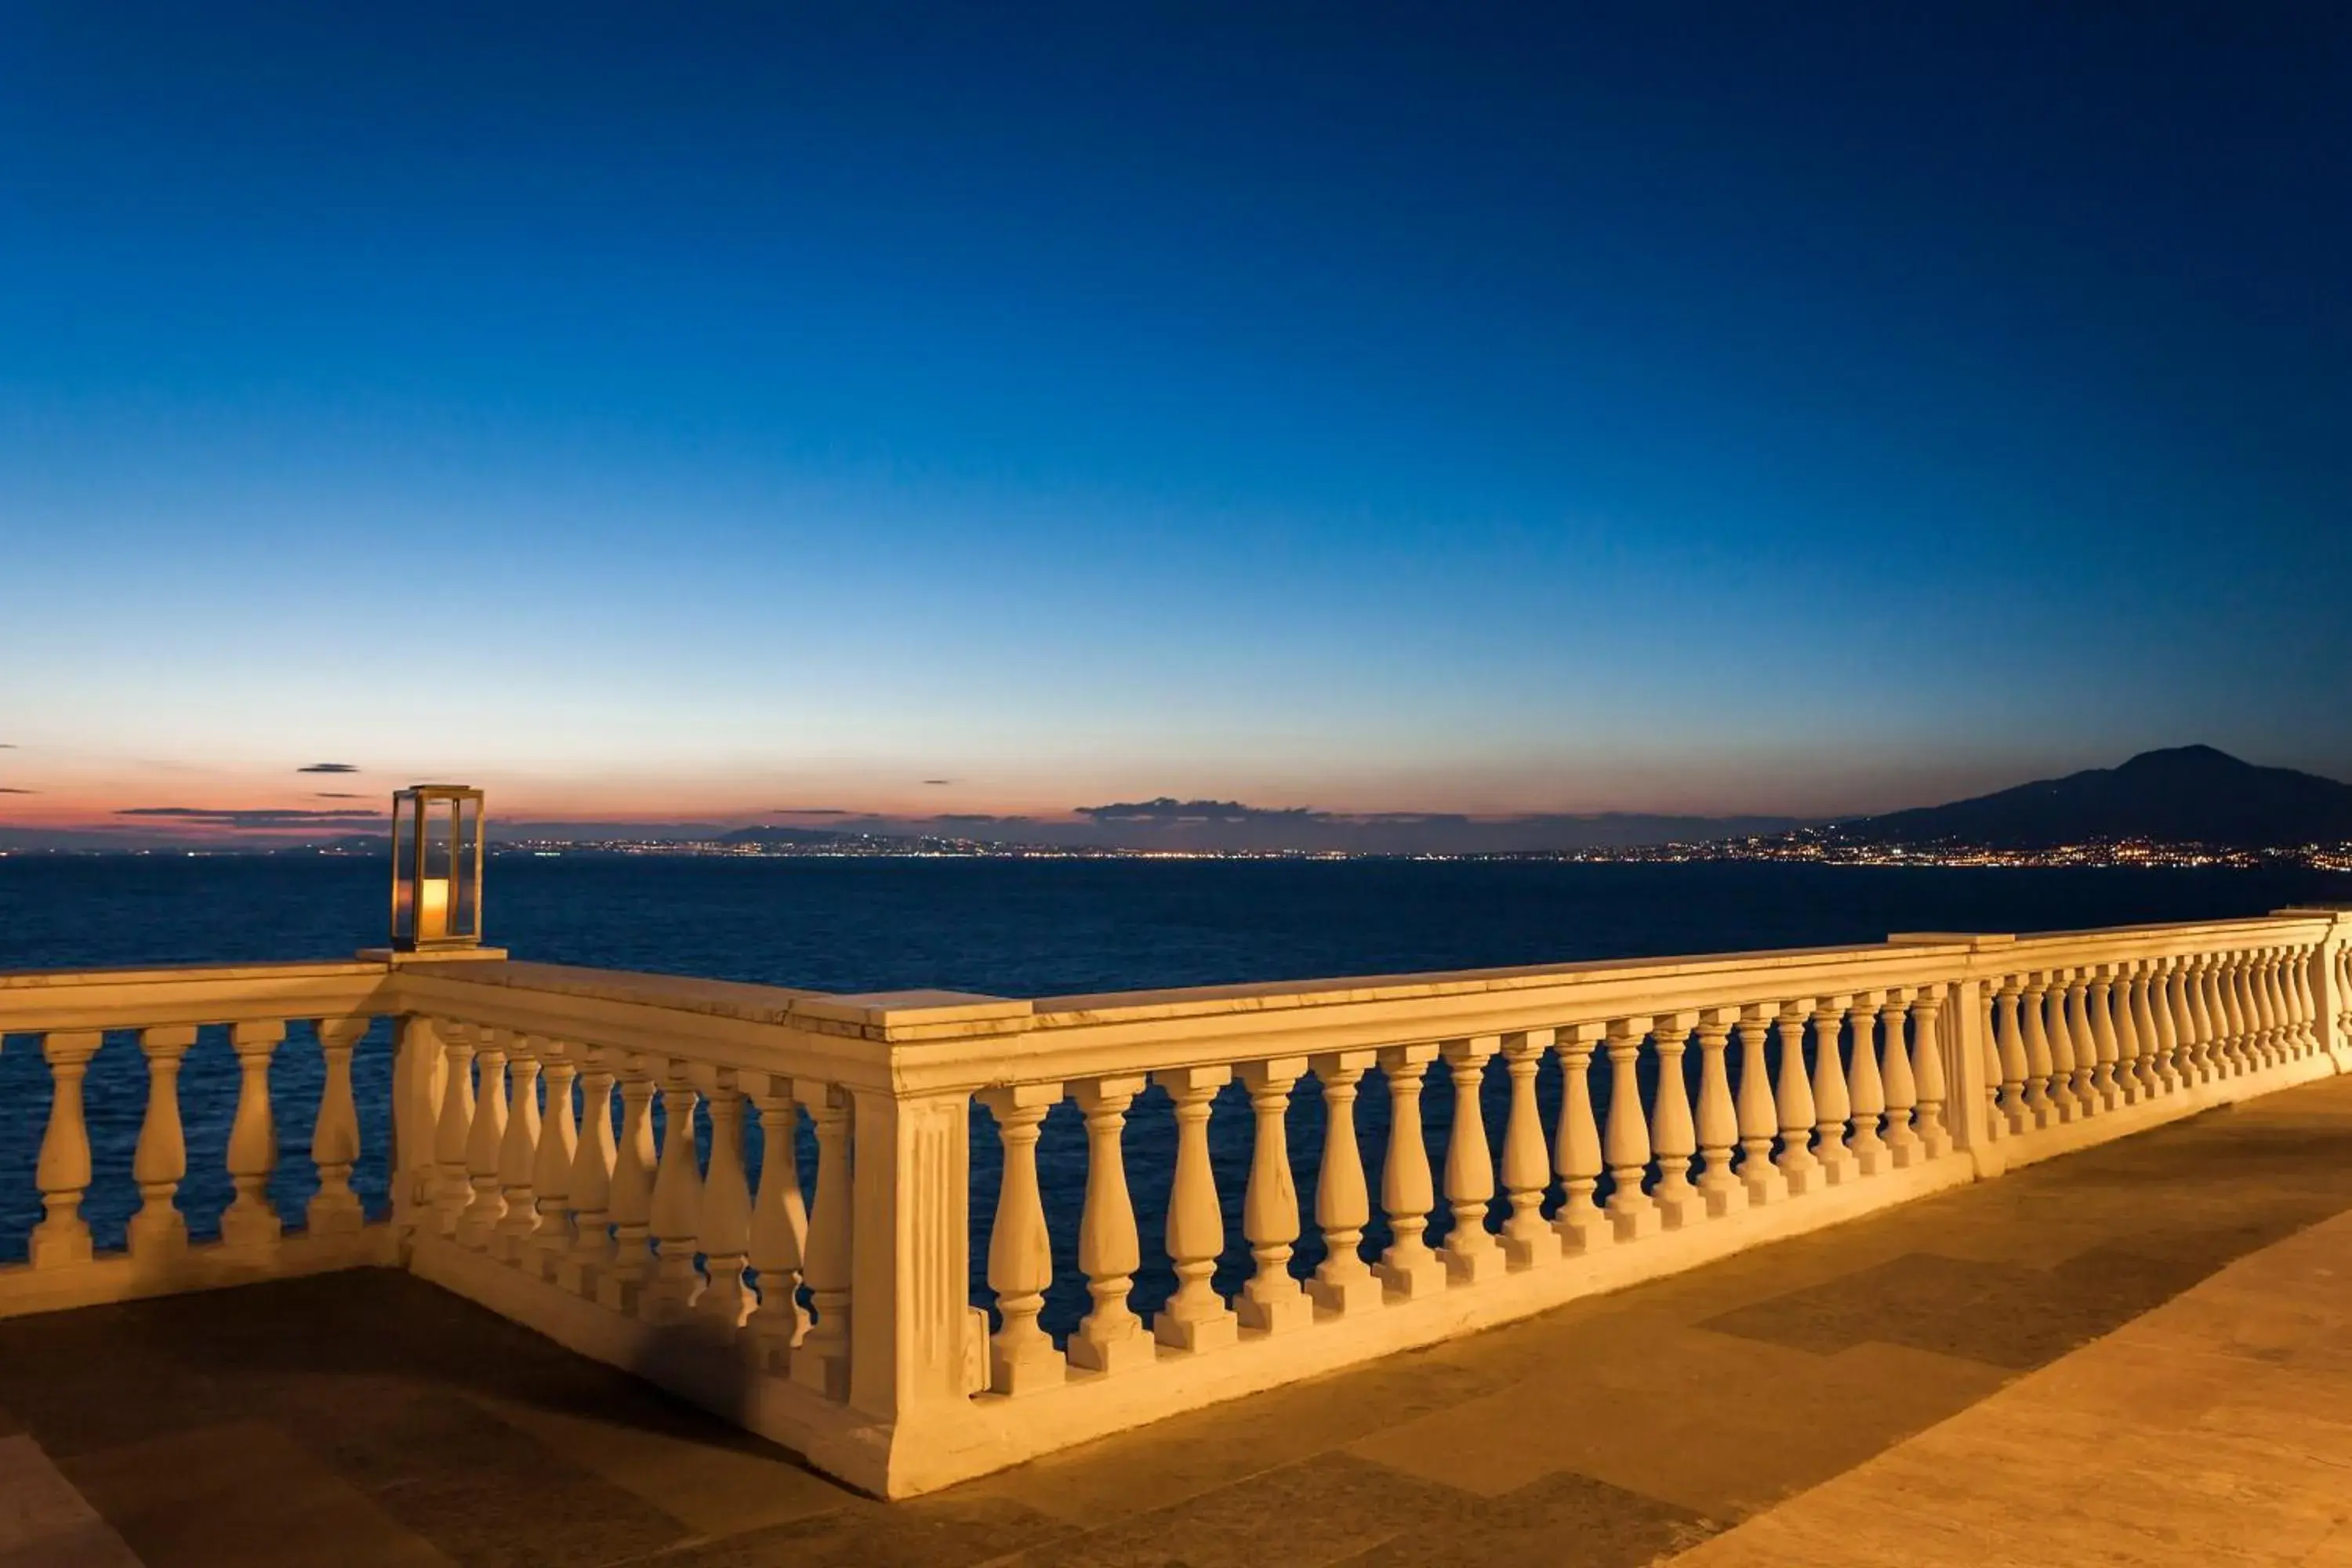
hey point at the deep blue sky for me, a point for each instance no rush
(1658, 406)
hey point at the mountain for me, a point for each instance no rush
(2185, 794)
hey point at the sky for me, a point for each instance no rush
(648, 413)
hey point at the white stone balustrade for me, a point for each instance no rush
(1646, 1117)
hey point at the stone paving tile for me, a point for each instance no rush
(1562, 1519)
(1328, 1508)
(243, 1495)
(925, 1532)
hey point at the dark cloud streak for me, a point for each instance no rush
(327, 768)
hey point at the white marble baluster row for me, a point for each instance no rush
(158, 1231)
(642, 1224)
(1869, 1100)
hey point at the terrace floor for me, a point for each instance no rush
(1918, 1375)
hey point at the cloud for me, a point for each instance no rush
(200, 816)
(5, 790)
(810, 811)
(337, 794)
(7, 745)
(939, 780)
(327, 768)
(1168, 809)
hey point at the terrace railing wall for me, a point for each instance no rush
(949, 1272)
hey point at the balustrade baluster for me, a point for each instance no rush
(518, 1154)
(1719, 1119)
(62, 1238)
(2181, 1020)
(2038, 1062)
(591, 1180)
(1196, 1318)
(2102, 1032)
(1111, 1338)
(1471, 1252)
(1831, 1104)
(1673, 1139)
(2291, 1010)
(2267, 998)
(1928, 1069)
(2307, 1011)
(723, 1221)
(1904, 1148)
(1799, 1168)
(558, 1150)
(1342, 1282)
(622, 1284)
(2088, 1101)
(779, 1222)
(1625, 1138)
(676, 1208)
(2147, 1018)
(1407, 1269)
(1866, 1088)
(2009, 1045)
(1758, 1123)
(160, 1160)
(1576, 1149)
(250, 1223)
(2205, 1023)
(822, 1361)
(1527, 1240)
(1996, 1124)
(2062, 1047)
(485, 1141)
(2232, 978)
(334, 1209)
(453, 1127)
(1020, 1358)
(2130, 1049)
(2260, 1029)
(1271, 1300)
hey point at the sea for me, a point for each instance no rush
(998, 926)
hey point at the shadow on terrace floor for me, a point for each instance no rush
(368, 1418)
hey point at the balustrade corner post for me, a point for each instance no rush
(62, 1238)
(1968, 1107)
(913, 1335)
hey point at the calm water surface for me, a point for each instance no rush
(1004, 927)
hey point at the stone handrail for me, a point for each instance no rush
(1630, 1119)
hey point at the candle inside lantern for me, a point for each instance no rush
(432, 909)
